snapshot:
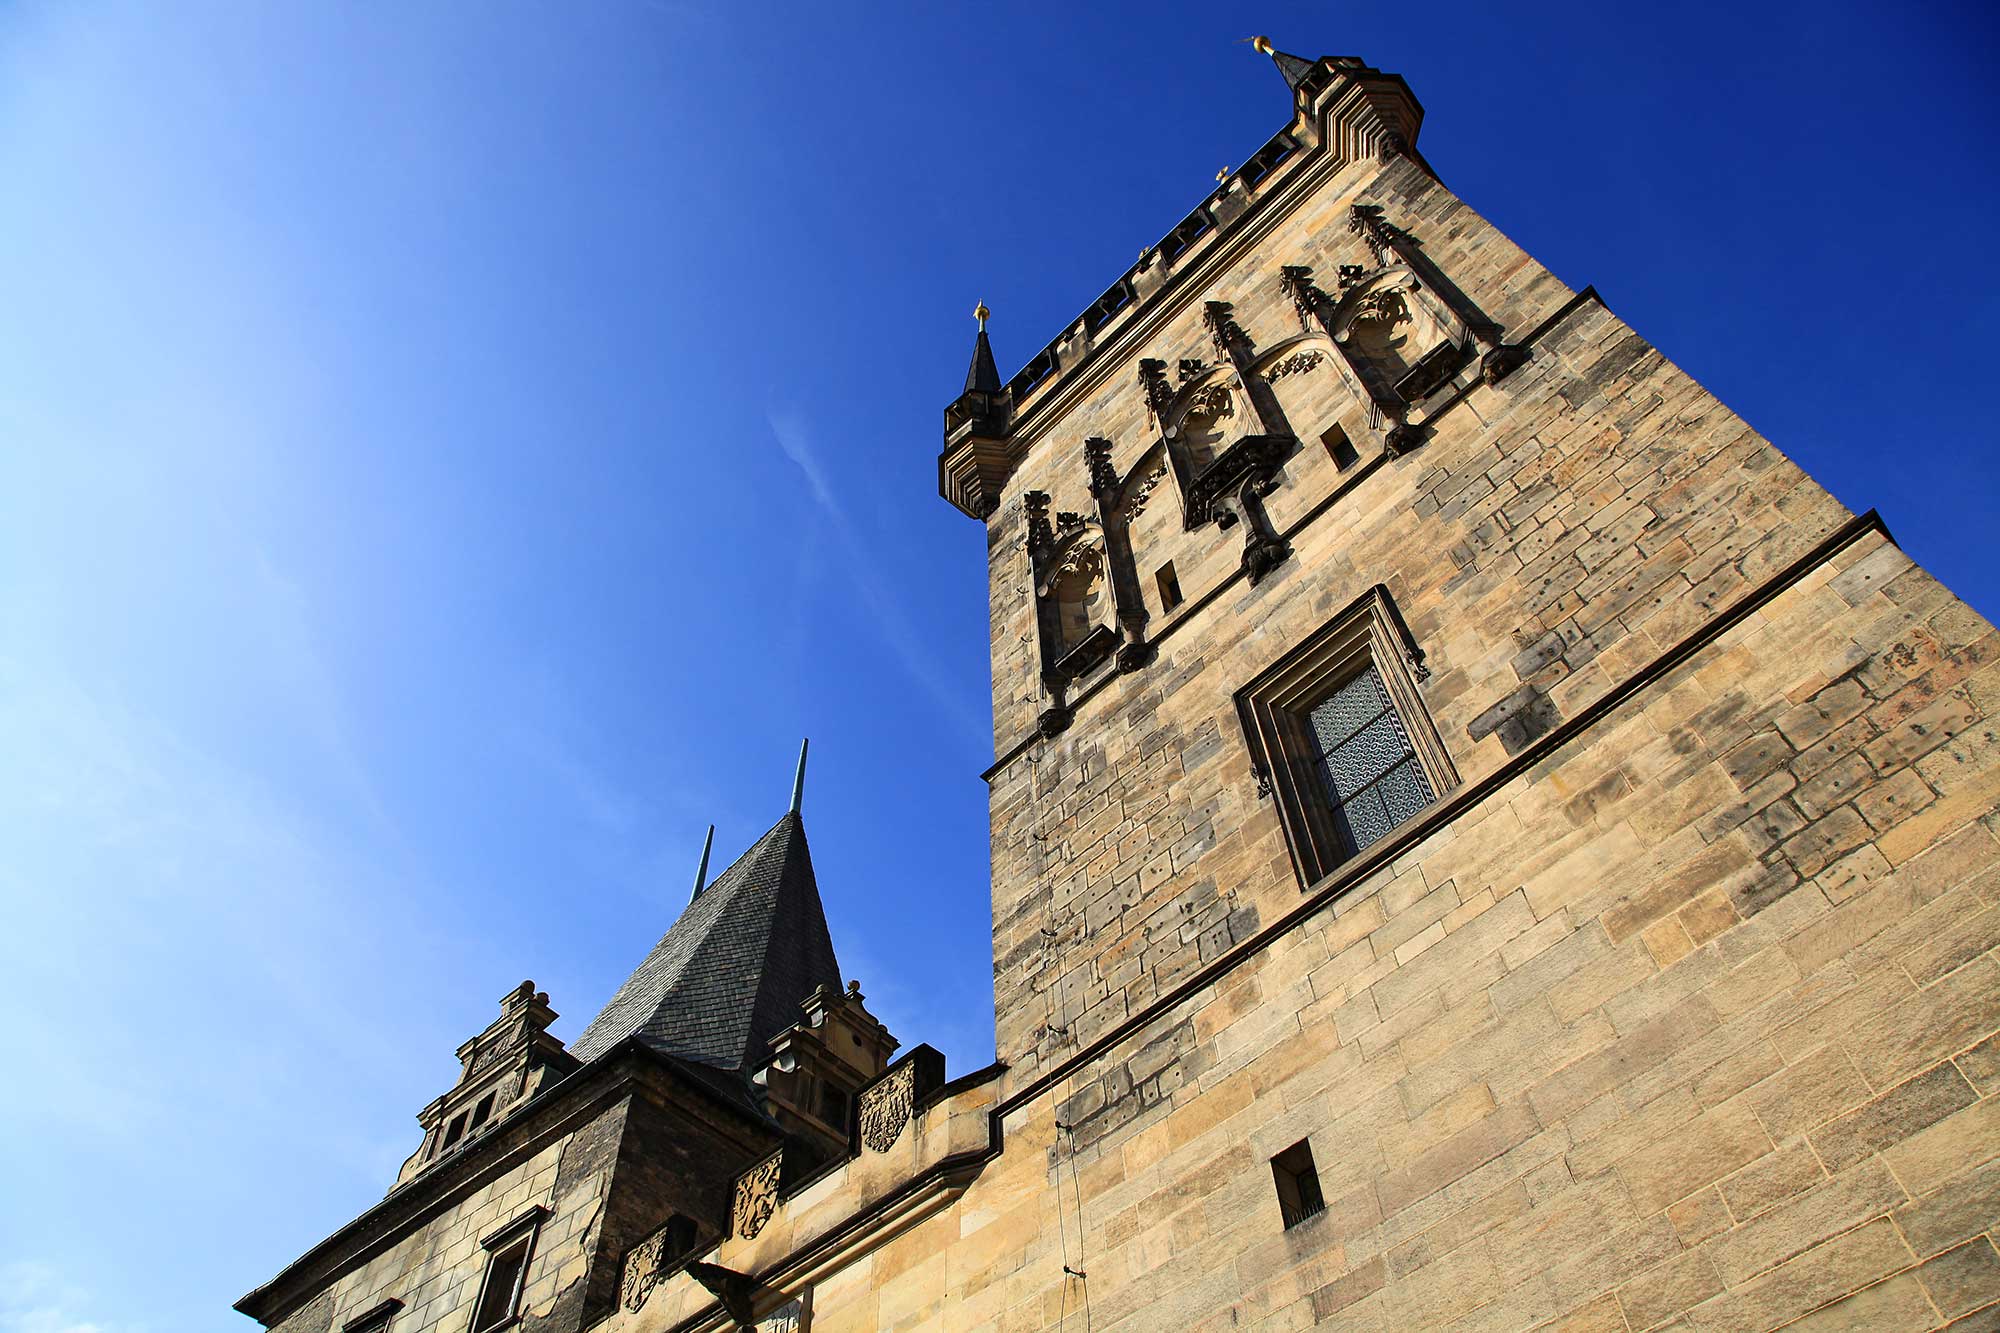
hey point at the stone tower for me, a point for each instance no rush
(1480, 840)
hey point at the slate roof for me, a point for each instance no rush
(732, 971)
(1295, 69)
(982, 376)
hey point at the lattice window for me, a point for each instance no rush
(1340, 739)
(1369, 770)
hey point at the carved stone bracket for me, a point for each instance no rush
(757, 1196)
(886, 1107)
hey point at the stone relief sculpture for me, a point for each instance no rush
(885, 1108)
(757, 1196)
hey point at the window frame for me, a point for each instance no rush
(520, 1233)
(375, 1319)
(1276, 710)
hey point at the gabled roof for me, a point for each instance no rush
(732, 971)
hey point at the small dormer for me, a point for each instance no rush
(819, 1065)
(499, 1070)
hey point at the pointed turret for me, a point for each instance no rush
(983, 376)
(1297, 70)
(978, 457)
(732, 972)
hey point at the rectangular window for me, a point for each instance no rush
(484, 1111)
(376, 1320)
(507, 1253)
(1340, 738)
(456, 1130)
(1339, 448)
(1298, 1184)
(1368, 770)
(1170, 588)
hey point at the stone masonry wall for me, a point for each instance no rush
(1680, 1011)
(435, 1270)
(1555, 533)
(1570, 1061)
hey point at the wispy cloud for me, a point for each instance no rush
(891, 621)
(33, 1299)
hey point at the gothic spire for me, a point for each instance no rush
(984, 376)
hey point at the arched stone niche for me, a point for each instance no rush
(1305, 380)
(1393, 329)
(1079, 589)
(1075, 611)
(1207, 416)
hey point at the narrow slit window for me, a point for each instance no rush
(1339, 448)
(1170, 588)
(1299, 1198)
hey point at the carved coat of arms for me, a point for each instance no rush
(885, 1109)
(757, 1196)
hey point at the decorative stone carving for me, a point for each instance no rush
(1068, 524)
(1295, 281)
(1298, 363)
(787, 1318)
(1222, 331)
(1036, 503)
(1159, 394)
(1085, 560)
(885, 1107)
(642, 1270)
(1383, 306)
(1192, 368)
(757, 1195)
(1142, 490)
(1097, 458)
(1366, 222)
(1211, 401)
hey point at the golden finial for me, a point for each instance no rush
(1261, 45)
(1222, 175)
(980, 313)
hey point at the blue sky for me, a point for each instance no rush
(450, 453)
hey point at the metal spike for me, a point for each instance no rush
(701, 871)
(799, 782)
